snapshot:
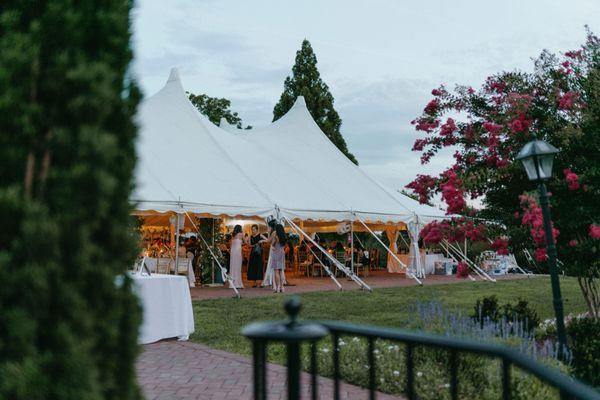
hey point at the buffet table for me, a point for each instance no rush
(152, 264)
(167, 307)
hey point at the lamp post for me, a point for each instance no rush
(537, 157)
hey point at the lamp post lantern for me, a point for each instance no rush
(537, 157)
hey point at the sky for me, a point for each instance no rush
(380, 58)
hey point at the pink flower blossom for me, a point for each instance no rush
(448, 128)
(462, 270)
(567, 100)
(496, 86)
(573, 243)
(595, 231)
(500, 245)
(572, 179)
(501, 163)
(519, 124)
(436, 92)
(419, 144)
(432, 107)
(426, 125)
(575, 54)
(492, 127)
(540, 254)
(422, 185)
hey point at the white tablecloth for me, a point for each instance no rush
(429, 261)
(167, 306)
(152, 263)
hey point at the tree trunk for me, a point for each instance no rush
(591, 294)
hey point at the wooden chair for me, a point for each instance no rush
(304, 262)
(374, 259)
(316, 266)
(163, 265)
(341, 257)
(182, 266)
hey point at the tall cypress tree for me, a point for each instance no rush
(68, 317)
(306, 81)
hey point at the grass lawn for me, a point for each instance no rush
(218, 321)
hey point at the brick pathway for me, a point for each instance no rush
(171, 370)
(378, 279)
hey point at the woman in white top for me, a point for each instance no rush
(235, 258)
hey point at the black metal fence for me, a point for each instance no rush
(293, 333)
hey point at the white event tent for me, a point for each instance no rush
(288, 169)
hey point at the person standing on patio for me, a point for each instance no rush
(255, 265)
(278, 241)
(235, 258)
(268, 276)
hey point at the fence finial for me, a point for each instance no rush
(292, 308)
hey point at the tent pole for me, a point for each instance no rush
(177, 223)
(413, 231)
(224, 274)
(212, 262)
(352, 246)
(410, 274)
(342, 267)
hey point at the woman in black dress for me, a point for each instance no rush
(255, 266)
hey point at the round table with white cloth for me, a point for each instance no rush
(167, 307)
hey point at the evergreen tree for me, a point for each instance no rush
(216, 108)
(306, 81)
(68, 317)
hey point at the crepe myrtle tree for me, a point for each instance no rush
(558, 102)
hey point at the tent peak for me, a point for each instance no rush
(300, 102)
(174, 75)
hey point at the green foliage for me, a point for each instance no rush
(221, 330)
(306, 81)
(68, 318)
(584, 335)
(487, 309)
(216, 108)
(210, 229)
(523, 313)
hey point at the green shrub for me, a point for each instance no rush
(488, 310)
(68, 317)
(523, 313)
(584, 335)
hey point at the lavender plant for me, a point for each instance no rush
(479, 377)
